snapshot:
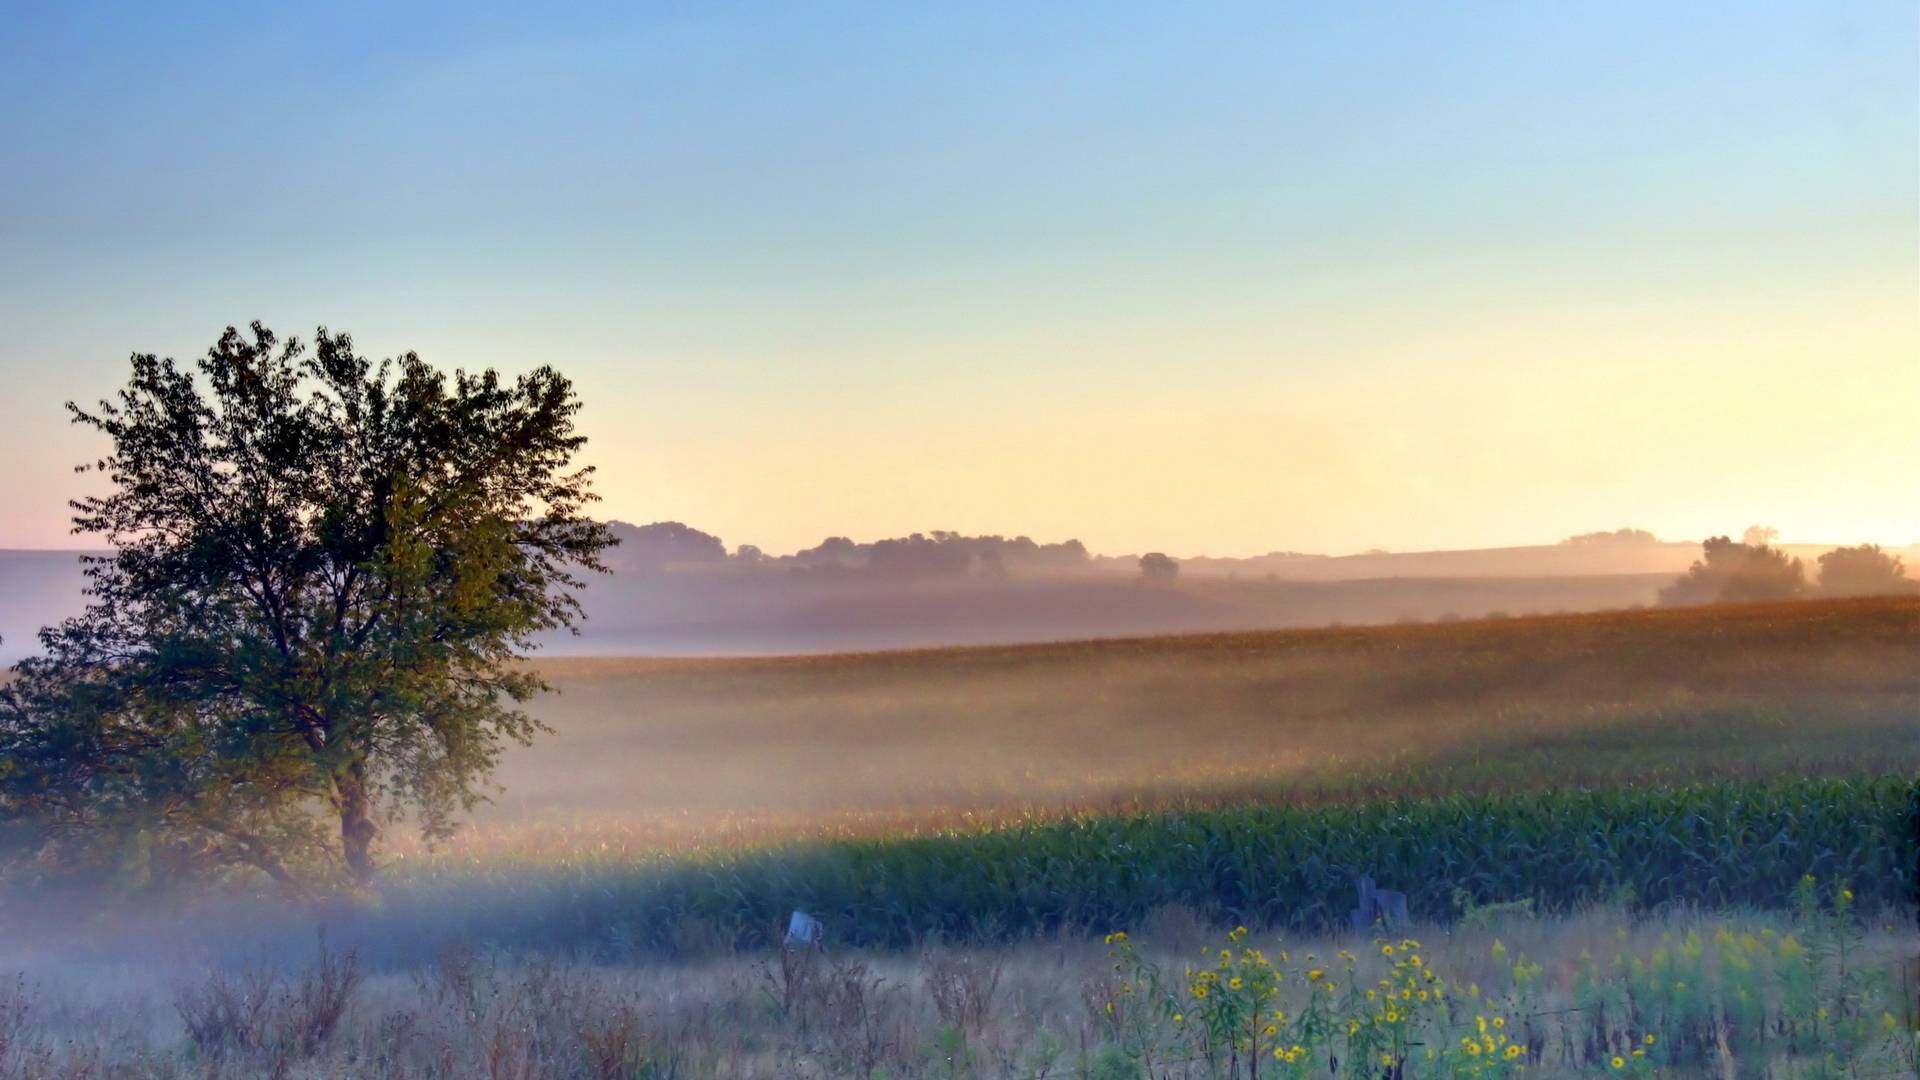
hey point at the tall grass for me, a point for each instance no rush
(1812, 991)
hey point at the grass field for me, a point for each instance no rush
(1653, 786)
(650, 755)
(1812, 991)
(1660, 756)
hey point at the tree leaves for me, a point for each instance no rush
(322, 569)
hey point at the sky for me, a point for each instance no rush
(1202, 278)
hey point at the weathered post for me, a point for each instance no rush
(1378, 906)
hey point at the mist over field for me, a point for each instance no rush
(857, 541)
(1717, 798)
(676, 591)
(673, 752)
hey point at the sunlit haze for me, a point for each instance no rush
(1412, 277)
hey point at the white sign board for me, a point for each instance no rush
(804, 929)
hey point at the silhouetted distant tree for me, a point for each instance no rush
(1068, 553)
(1155, 566)
(664, 543)
(920, 556)
(1864, 571)
(991, 563)
(1730, 572)
(323, 572)
(1759, 536)
(833, 551)
(945, 554)
(1617, 536)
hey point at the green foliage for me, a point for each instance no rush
(323, 568)
(1474, 915)
(1111, 1063)
(1684, 994)
(1687, 1006)
(949, 1053)
(1291, 867)
(1247, 1013)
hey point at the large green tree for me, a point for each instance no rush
(324, 572)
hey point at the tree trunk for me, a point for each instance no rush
(357, 829)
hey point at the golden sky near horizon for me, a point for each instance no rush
(1235, 279)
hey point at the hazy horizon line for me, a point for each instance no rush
(1270, 553)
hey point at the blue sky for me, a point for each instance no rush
(1201, 277)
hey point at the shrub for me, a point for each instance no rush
(1730, 572)
(1864, 571)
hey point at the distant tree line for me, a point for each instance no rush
(325, 573)
(1617, 536)
(1752, 569)
(936, 555)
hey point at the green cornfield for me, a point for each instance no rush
(1724, 844)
